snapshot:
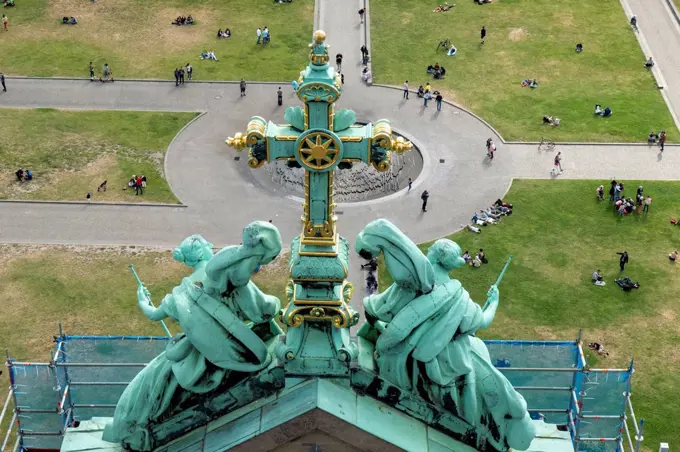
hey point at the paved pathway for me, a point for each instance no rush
(219, 190)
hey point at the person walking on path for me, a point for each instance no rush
(491, 149)
(5, 22)
(364, 52)
(426, 97)
(406, 90)
(91, 72)
(190, 71)
(648, 202)
(338, 61)
(662, 139)
(259, 34)
(2, 81)
(176, 77)
(483, 33)
(362, 12)
(107, 72)
(557, 163)
(410, 184)
(425, 196)
(181, 76)
(623, 260)
(439, 99)
(243, 87)
(279, 96)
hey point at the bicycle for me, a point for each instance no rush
(546, 145)
(446, 43)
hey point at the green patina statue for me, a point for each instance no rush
(423, 330)
(217, 347)
(417, 350)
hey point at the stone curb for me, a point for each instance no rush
(589, 143)
(674, 10)
(452, 104)
(92, 203)
(367, 36)
(145, 80)
(167, 151)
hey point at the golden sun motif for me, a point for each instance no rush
(319, 151)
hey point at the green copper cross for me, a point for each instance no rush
(318, 139)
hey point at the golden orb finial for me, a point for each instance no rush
(319, 36)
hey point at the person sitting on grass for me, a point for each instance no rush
(190, 20)
(650, 63)
(607, 112)
(467, 258)
(533, 84)
(482, 256)
(72, 21)
(219, 33)
(599, 348)
(227, 33)
(600, 193)
(673, 256)
(452, 50)
(9, 3)
(598, 280)
(476, 262)
(598, 109)
(579, 48)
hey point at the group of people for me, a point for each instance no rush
(66, 21)
(209, 55)
(223, 34)
(180, 72)
(623, 205)
(263, 35)
(529, 83)
(426, 93)
(24, 174)
(625, 283)
(181, 20)
(442, 8)
(490, 215)
(659, 139)
(477, 261)
(551, 120)
(138, 183)
(600, 112)
(437, 71)
(107, 75)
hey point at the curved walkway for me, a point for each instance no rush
(222, 196)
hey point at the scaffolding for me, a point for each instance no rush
(85, 376)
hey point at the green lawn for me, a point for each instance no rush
(526, 39)
(558, 235)
(71, 152)
(136, 39)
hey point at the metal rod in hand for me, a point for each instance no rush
(500, 277)
(140, 283)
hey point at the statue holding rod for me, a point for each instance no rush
(424, 326)
(225, 319)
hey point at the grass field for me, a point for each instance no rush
(558, 235)
(137, 41)
(526, 39)
(70, 153)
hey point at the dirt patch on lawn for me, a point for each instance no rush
(406, 18)
(517, 34)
